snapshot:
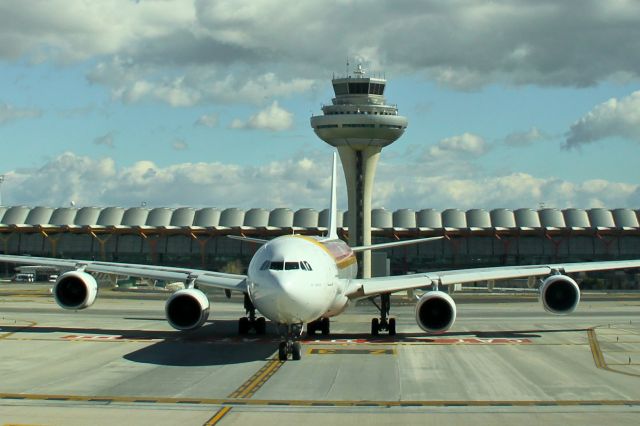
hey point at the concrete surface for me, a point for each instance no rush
(119, 362)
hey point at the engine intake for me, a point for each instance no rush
(435, 312)
(75, 290)
(559, 294)
(187, 309)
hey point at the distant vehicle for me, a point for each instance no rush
(24, 278)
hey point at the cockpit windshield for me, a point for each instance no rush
(286, 266)
(276, 266)
(291, 265)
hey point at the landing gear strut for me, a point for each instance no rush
(384, 323)
(290, 345)
(321, 324)
(245, 324)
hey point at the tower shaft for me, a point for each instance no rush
(359, 170)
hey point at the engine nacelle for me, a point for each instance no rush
(559, 294)
(435, 312)
(187, 309)
(75, 290)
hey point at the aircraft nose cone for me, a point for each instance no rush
(291, 289)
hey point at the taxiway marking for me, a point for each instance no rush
(218, 416)
(255, 382)
(598, 356)
(248, 388)
(344, 351)
(231, 402)
(7, 335)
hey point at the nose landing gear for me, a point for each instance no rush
(245, 324)
(384, 323)
(290, 345)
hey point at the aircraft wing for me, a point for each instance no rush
(200, 277)
(366, 287)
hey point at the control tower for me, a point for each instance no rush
(359, 123)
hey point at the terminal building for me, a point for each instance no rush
(196, 238)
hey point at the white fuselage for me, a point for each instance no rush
(297, 279)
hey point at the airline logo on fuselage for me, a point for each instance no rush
(337, 249)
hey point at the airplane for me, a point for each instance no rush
(294, 280)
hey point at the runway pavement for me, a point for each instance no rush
(119, 362)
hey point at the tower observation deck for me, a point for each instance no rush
(359, 123)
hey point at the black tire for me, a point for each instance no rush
(375, 327)
(243, 326)
(392, 326)
(282, 351)
(311, 328)
(261, 325)
(296, 351)
(326, 326)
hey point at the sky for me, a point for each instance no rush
(510, 104)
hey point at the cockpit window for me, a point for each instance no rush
(276, 266)
(287, 266)
(291, 265)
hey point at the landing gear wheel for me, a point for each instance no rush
(375, 327)
(296, 351)
(261, 325)
(243, 326)
(392, 327)
(384, 323)
(311, 328)
(282, 351)
(289, 345)
(325, 326)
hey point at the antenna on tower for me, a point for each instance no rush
(347, 68)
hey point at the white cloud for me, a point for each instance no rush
(10, 113)
(295, 182)
(522, 139)
(613, 118)
(131, 82)
(90, 181)
(513, 191)
(272, 118)
(456, 148)
(207, 120)
(180, 48)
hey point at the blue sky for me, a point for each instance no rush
(510, 103)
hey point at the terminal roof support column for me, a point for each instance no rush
(202, 244)
(5, 247)
(53, 241)
(102, 242)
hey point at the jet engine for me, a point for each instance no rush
(187, 309)
(75, 290)
(559, 294)
(435, 312)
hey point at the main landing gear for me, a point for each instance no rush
(384, 323)
(323, 325)
(290, 344)
(245, 324)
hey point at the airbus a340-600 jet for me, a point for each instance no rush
(294, 280)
